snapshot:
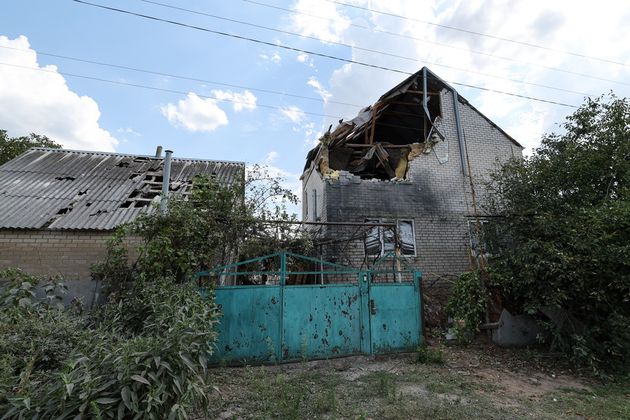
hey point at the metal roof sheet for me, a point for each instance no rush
(69, 189)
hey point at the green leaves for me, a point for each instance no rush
(144, 356)
(11, 147)
(566, 211)
(467, 304)
(140, 379)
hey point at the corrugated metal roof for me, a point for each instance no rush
(69, 189)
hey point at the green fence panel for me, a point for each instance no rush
(321, 321)
(395, 316)
(250, 326)
(272, 323)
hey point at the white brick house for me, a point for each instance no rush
(413, 158)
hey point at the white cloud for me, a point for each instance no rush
(314, 83)
(241, 101)
(293, 113)
(271, 157)
(562, 25)
(274, 57)
(36, 99)
(129, 130)
(325, 21)
(195, 114)
(305, 59)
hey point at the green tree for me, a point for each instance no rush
(566, 232)
(11, 147)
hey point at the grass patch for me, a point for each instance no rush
(605, 401)
(385, 390)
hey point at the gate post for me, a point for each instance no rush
(419, 289)
(364, 293)
(280, 345)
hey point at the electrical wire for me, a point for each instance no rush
(441, 44)
(415, 60)
(179, 92)
(468, 31)
(286, 47)
(176, 76)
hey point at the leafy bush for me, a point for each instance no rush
(124, 365)
(566, 210)
(35, 335)
(467, 304)
(144, 353)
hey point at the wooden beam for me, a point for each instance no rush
(374, 112)
(422, 93)
(385, 146)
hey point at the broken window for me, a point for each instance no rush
(483, 238)
(407, 237)
(380, 240)
(315, 215)
(373, 239)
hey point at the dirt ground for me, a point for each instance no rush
(477, 381)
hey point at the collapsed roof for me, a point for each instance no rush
(380, 141)
(66, 189)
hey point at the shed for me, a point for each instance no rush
(59, 207)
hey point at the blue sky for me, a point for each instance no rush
(213, 121)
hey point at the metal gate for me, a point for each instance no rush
(314, 310)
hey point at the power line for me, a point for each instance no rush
(442, 44)
(178, 92)
(454, 28)
(176, 76)
(286, 47)
(366, 49)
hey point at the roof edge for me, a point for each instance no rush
(90, 152)
(467, 102)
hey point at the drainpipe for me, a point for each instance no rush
(166, 175)
(425, 96)
(460, 133)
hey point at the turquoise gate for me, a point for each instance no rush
(285, 307)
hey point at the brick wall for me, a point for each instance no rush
(46, 253)
(435, 195)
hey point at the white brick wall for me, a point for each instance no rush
(436, 196)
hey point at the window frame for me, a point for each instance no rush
(381, 236)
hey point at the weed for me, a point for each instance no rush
(426, 355)
(326, 402)
(386, 385)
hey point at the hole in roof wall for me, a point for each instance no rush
(382, 139)
(65, 178)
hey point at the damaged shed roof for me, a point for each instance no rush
(67, 189)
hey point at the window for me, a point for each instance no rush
(380, 240)
(315, 215)
(482, 238)
(305, 205)
(407, 237)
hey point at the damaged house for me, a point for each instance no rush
(59, 207)
(414, 162)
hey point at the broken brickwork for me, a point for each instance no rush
(406, 178)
